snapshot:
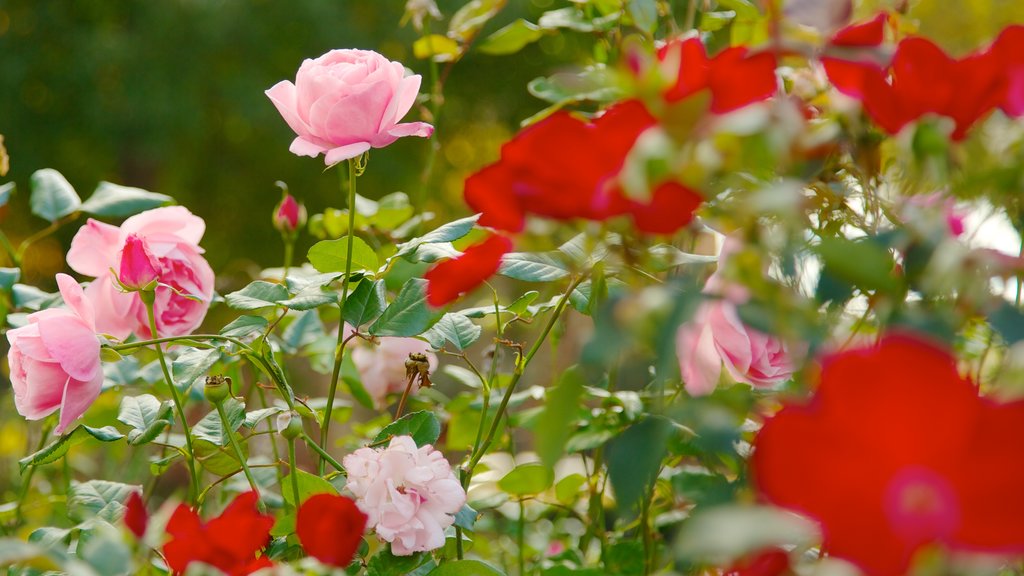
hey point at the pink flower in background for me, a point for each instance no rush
(171, 237)
(138, 267)
(382, 366)
(55, 359)
(346, 102)
(410, 494)
(716, 335)
(925, 206)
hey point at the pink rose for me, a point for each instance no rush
(55, 359)
(410, 494)
(139, 268)
(170, 237)
(716, 335)
(346, 102)
(382, 366)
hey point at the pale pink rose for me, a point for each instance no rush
(346, 102)
(382, 366)
(924, 207)
(171, 237)
(717, 336)
(55, 359)
(410, 494)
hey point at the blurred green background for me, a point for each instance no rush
(168, 95)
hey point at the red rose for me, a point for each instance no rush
(897, 451)
(450, 279)
(228, 542)
(330, 528)
(734, 77)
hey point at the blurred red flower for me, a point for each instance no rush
(735, 77)
(1008, 49)
(228, 542)
(921, 79)
(450, 279)
(135, 516)
(565, 168)
(330, 528)
(768, 562)
(896, 451)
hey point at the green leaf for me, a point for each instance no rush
(193, 364)
(625, 558)
(244, 325)
(15, 551)
(99, 498)
(530, 267)
(744, 8)
(116, 201)
(52, 195)
(634, 458)
(864, 263)
(467, 22)
(423, 426)
(644, 14)
(466, 517)
(365, 303)
(568, 489)
(527, 479)
(257, 295)
(6, 191)
(384, 563)
(211, 429)
(446, 233)
(330, 255)
(310, 298)
(454, 328)
(437, 47)
(256, 416)
(465, 568)
(511, 38)
(555, 425)
(408, 315)
(1009, 322)
(58, 448)
(9, 277)
(147, 416)
(220, 460)
(309, 484)
(594, 84)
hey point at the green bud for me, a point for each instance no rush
(217, 389)
(289, 424)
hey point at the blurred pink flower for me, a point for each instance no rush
(171, 236)
(382, 366)
(138, 267)
(55, 359)
(935, 203)
(716, 335)
(410, 494)
(346, 102)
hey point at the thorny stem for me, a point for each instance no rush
(520, 366)
(339, 350)
(294, 473)
(147, 298)
(405, 396)
(27, 483)
(323, 453)
(242, 460)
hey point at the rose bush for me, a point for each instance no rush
(583, 383)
